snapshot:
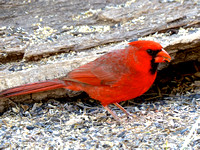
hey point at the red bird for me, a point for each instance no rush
(114, 77)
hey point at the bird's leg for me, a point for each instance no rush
(120, 107)
(112, 113)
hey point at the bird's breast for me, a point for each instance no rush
(127, 88)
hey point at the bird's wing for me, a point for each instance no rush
(106, 70)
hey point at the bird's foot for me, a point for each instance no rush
(120, 107)
(112, 113)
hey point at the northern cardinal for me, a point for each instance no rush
(117, 76)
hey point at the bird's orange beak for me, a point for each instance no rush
(162, 56)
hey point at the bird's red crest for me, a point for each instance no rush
(146, 45)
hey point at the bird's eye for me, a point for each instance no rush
(149, 51)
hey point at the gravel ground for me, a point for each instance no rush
(165, 123)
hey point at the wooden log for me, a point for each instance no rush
(45, 40)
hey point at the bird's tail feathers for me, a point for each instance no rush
(33, 88)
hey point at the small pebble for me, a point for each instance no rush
(122, 134)
(30, 127)
(198, 131)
